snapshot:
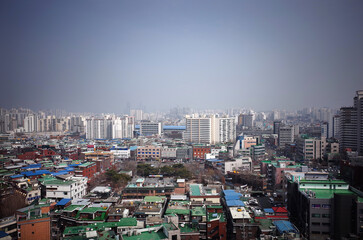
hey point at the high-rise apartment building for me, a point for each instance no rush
(351, 125)
(210, 129)
(226, 129)
(123, 127)
(31, 123)
(99, 128)
(137, 113)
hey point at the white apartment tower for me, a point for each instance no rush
(99, 128)
(209, 129)
(123, 127)
(31, 123)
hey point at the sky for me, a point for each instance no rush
(100, 56)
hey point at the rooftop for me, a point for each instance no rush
(195, 190)
(147, 236)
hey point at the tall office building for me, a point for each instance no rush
(325, 130)
(148, 128)
(245, 120)
(286, 135)
(336, 126)
(210, 129)
(276, 127)
(198, 129)
(351, 125)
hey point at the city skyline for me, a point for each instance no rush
(97, 57)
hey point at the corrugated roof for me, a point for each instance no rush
(284, 226)
(235, 203)
(63, 202)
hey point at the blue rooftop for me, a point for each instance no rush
(63, 202)
(235, 203)
(174, 127)
(17, 176)
(231, 195)
(284, 227)
(214, 160)
(32, 166)
(268, 210)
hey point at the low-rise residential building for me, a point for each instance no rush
(34, 221)
(120, 152)
(200, 195)
(139, 188)
(243, 163)
(71, 187)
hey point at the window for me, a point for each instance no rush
(326, 206)
(326, 215)
(65, 193)
(326, 224)
(315, 205)
(315, 224)
(315, 215)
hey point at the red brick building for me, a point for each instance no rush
(216, 223)
(200, 151)
(34, 222)
(87, 169)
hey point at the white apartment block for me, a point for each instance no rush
(123, 127)
(72, 187)
(98, 128)
(210, 129)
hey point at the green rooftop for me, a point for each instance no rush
(86, 164)
(188, 229)
(93, 210)
(177, 211)
(329, 193)
(154, 199)
(71, 208)
(323, 181)
(195, 190)
(198, 211)
(147, 236)
(58, 182)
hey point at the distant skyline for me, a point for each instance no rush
(97, 56)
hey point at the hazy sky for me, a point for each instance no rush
(98, 55)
